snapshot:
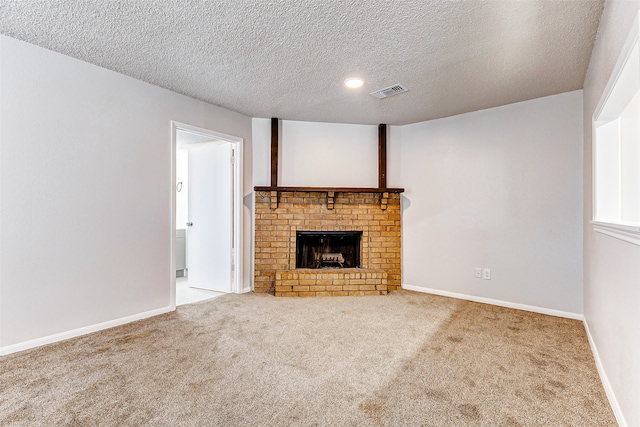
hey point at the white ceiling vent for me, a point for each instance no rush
(389, 91)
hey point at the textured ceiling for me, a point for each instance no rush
(288, 59)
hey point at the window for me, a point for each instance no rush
(616, 148)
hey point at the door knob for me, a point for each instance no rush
(190, 224)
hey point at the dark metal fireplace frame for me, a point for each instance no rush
(328, 249)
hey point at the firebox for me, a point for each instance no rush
(328, 249)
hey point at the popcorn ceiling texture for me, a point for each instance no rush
(278, 58)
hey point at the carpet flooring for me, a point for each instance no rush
(405, 359)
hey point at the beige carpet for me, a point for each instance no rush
(406, 359)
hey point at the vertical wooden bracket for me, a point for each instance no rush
(274, 200)
(275, 143)
(382, 156)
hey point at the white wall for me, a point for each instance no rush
(611, 266)
(85, 192)
(318, 154)
(498, 188)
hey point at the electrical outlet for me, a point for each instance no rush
(486, 273)
(478, 273)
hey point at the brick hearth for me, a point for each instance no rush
(304, 282)
(280, 214)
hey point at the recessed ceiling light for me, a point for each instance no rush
(353, 82)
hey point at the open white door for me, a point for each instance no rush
(210, 231)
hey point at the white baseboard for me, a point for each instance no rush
(500, 303)
(14, 348)
(617, 411)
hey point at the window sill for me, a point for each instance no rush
(628, 233)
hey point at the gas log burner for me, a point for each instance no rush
(328, 249)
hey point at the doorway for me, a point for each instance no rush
(206, 213)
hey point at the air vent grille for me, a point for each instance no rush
(389, 91)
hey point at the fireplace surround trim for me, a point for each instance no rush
(317, 249)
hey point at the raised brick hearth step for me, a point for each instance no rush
(304, 282)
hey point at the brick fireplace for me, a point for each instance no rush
(279, 216)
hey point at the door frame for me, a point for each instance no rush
(237, 144)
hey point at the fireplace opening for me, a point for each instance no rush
(328, 249)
